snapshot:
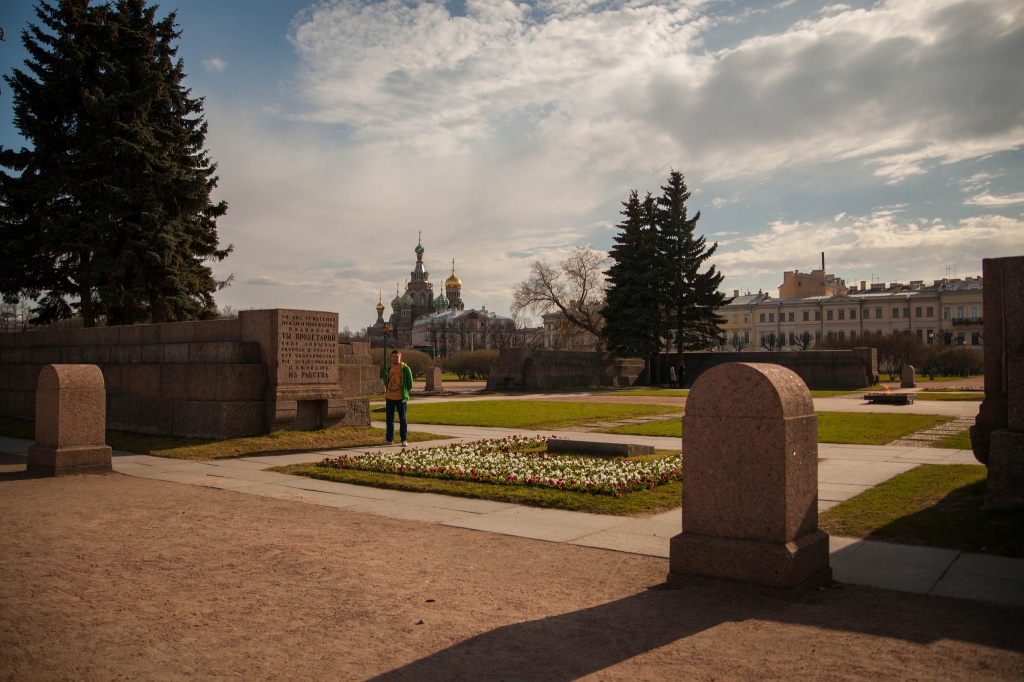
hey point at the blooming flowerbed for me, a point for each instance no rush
(503, 462)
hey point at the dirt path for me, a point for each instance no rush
(111, 577)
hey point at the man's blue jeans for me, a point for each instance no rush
(391, 406)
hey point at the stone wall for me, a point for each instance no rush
(267, 370)
(848, 369)
(530, 369)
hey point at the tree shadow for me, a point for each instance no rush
(576, 644)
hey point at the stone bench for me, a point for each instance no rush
(564, 446)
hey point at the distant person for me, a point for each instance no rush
(398, 380)
(681, 374)
(672, 378)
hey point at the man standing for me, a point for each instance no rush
(398, 382)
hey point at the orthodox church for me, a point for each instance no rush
(440, 325)
(417, 301)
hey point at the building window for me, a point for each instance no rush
(917, 312)
(817, 316)
(746, 337)
(920, 335)
(931, 311)
(746, 320)
(735, 319)
(975, 338)
(842, 316)
(762, 317)
(895, 313)
(762, 339)
(792, 337)
(830, 335)
(960, 338)
(853, 333)
(807, 316)
(878, 313)
(947, 312)
(792, 316)
(878, 332)
(817, 337)
(974, 312)
(736, 336)
(842, 335)
(771, 317)
(853, 313)
(960, 312)
(906, 313)
(828, 314)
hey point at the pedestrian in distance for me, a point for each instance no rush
(681, 373)
(672, 377)
(398, 382)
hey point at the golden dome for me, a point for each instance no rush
(380, 303)
(453, 282)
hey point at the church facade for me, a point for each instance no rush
(439, 324)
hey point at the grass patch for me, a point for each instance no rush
(532, 414)
(848, 428)
(668, 392)
(933, 505)
(278, 443)
(949, 395)
(660, 498)
(958, 441)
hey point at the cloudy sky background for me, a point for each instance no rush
(888, 135)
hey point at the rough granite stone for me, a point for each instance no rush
(750, 462)
(70, 422)
(434, 379)
(908, 377)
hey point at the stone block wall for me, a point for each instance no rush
(529, 369)
(819, 369)
(266, 370)
(357, 374)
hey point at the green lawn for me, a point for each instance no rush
(833, 427)
(933, 505)
(525, 414)
(976, 396)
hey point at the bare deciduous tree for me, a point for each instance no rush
(574, 288)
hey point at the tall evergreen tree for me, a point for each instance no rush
(691, 295)
(115, 193)
(632, 310)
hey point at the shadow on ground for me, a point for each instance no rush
(612, 633)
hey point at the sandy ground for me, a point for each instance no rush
(111, 577)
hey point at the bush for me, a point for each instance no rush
(957, 361)
(471, 364)
(418, 361)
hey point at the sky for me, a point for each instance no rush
(888, 135)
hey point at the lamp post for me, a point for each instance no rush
(931, 356)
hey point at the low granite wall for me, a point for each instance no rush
(204, 379)
(530, 369)
(819, 369)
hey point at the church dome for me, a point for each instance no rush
(397, 300)
(441, 302)
(407, 300)
(453, 282)
(380, 303)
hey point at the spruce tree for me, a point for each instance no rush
(120, 179)
(632, 308)
(691, 295)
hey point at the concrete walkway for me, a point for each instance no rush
(845, 470)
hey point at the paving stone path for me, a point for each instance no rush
(928, 437)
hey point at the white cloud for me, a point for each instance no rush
(987, 199)
(215, 64)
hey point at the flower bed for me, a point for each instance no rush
(503, 462)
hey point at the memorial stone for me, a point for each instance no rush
(434, 379)
(908, 377)
(997, 436)
(70, 422)
(750, 462)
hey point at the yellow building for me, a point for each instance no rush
(946, 311)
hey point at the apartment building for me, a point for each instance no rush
(948, 310)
